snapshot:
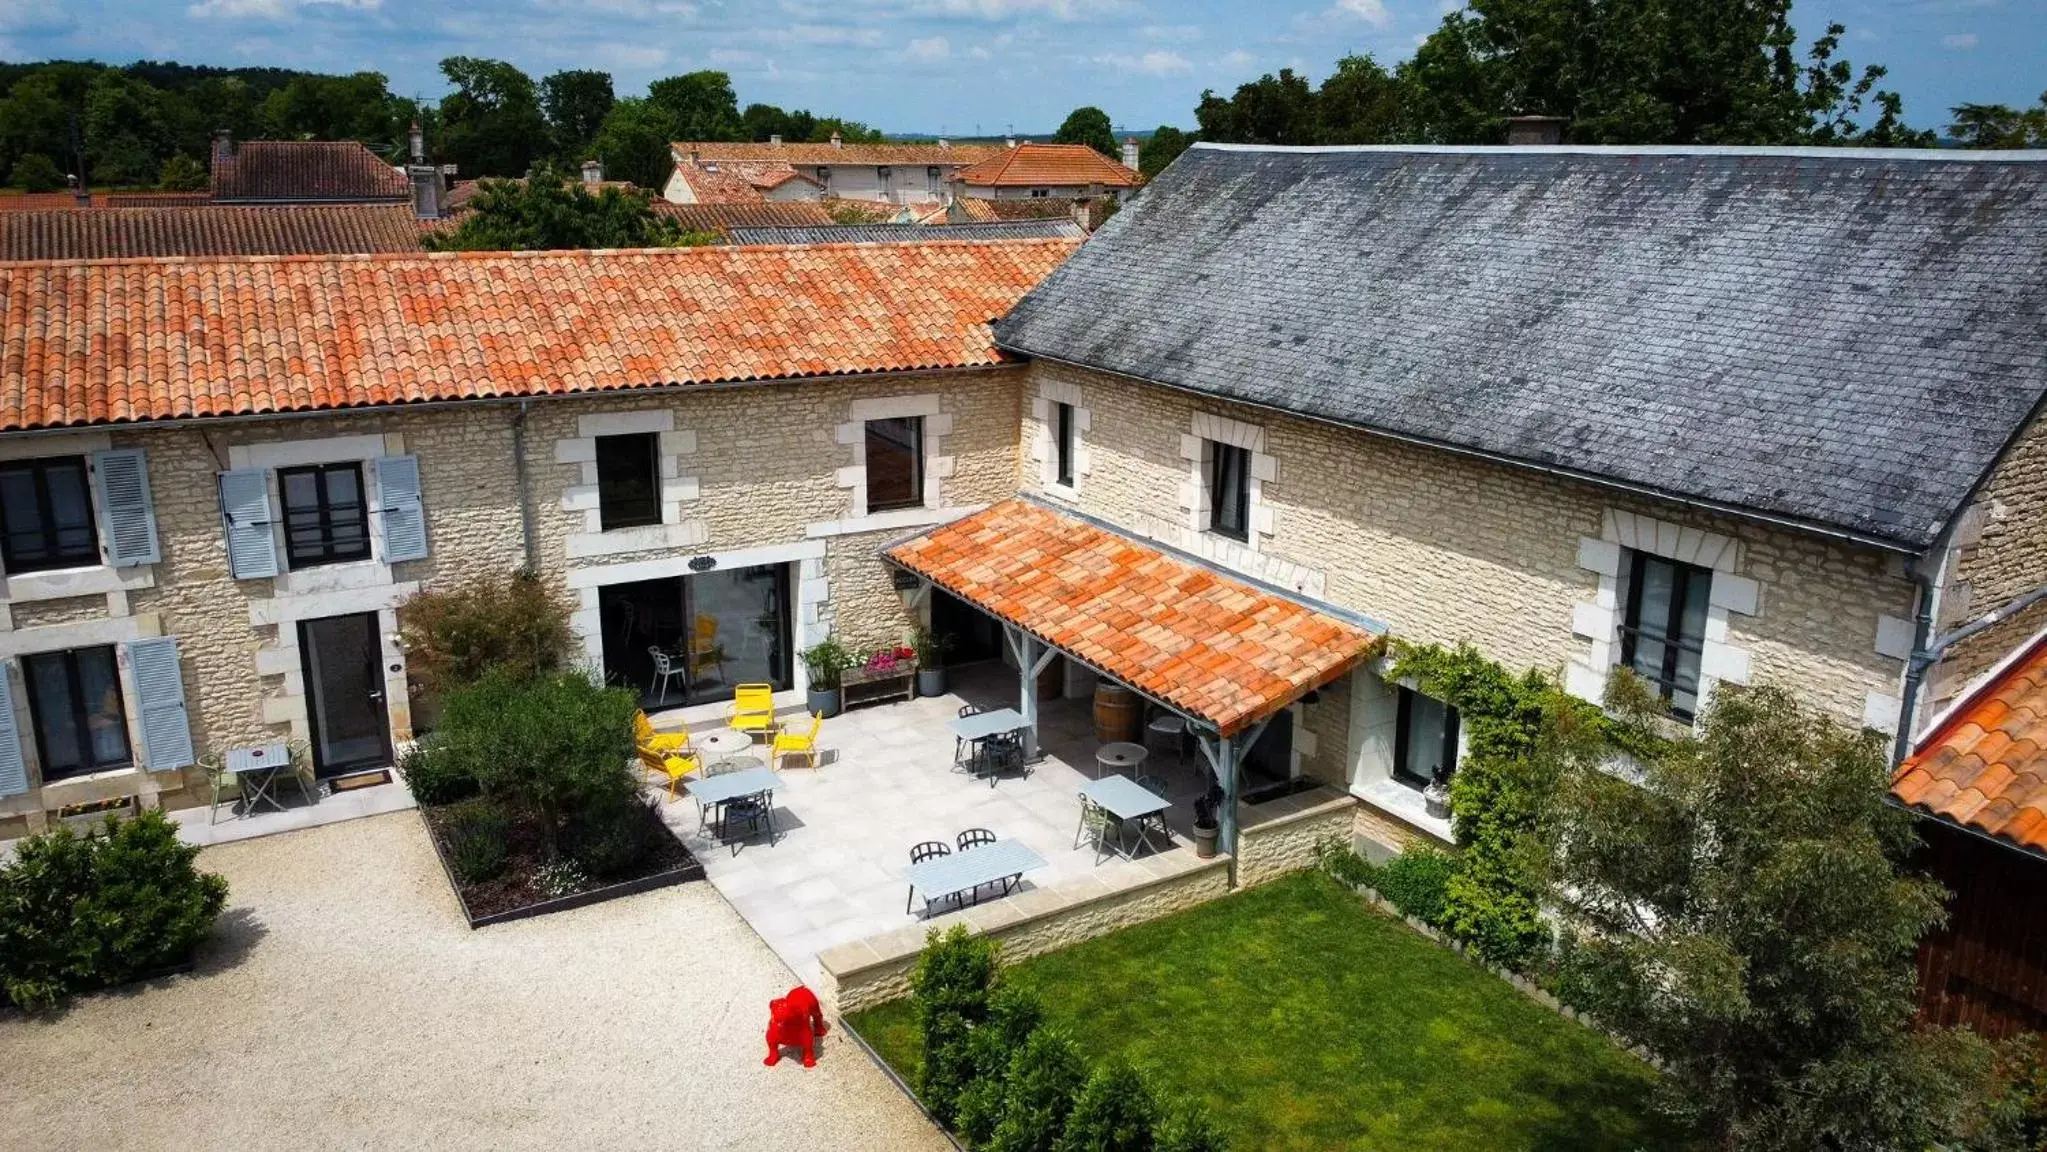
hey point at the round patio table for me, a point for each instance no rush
(724, 744)
(1118, 757)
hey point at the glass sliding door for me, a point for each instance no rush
(739, 630)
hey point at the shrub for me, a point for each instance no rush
(434, 779)
(954, 978)
(1417, 881)
(118, 903)
(1189, 1129)
(1013, 1014)
(550, 747)
(480, 843)
(1044, 1077)
(1115, 1112)
(827, 662)
(1335, 857)
(181, 173)
(613, 836)
(515, 623)
(36, 172)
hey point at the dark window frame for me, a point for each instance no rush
(914, 426)
(79, 716)
(1452, 725)
(1668, 632)
(1229, 517)
(56, 554)
(1065, 425)
(333, 547)
(615, 509)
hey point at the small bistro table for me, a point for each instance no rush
(1003, 862)
(1130, 803)
(982, 727)
(1119, 757)
(256, 770)
(726, 743)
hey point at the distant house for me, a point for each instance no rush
(1047, 171)
(719, 171)
(303, 172)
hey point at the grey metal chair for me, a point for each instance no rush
(974, 838)
(1097, 824)
(929, 850)
(754, 811)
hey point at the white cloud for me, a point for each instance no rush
(1372, 12)
(1959, 41)
(831, 34)
(928, 48)
(1170, 33)
(623, 57)
(239, 9)
(1157, 62)
(1011, 9)
(1236, 59)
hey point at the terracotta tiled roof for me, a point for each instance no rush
(926, 154)
(37, 201)
(302, 170)
(717, 186)
(1048, 164)
(214, 230)
(1985, 766)
(762, 214)
(94, 343)
(765, 175)
(1208, 644)
(463, 191)
(153, 199)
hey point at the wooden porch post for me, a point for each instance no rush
(1031, 658)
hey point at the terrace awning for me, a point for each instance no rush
(1221, 650)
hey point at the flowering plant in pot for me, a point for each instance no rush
(826, 662)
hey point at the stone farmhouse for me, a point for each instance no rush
(1718, 416)
(716, 171)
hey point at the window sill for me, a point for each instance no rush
(1403, 804)
(61, 583)
(888, 521)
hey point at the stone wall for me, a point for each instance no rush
(1273, 847)
(1999, 554)
(1445, 548)
(1120, 894)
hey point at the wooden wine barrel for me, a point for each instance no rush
(1119, 713)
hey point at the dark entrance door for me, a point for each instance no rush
(975, 634)
(343, 662)
(1268, 765)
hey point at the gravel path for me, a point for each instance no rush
(344, 1004)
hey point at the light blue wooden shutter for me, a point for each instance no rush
(160, 694)
(127, 514)
(13, 769)
(404, 517)
(245, 513)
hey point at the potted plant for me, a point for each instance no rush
(1206, 827)
(931, 649)
(1436, 797)
(826, 661)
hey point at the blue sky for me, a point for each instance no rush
(943, 65)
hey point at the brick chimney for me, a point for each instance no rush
(429, 197)
(1130, 153)
(1539, 131)
(593, 172)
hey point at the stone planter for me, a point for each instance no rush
(1204, 840)
(822, 702)
(930, 681)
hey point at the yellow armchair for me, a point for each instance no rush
(753, 709)
(802, 744)
(676, 767)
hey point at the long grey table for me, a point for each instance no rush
(982, 725)
(716, 791)
(1003, 862)
(1129, 802)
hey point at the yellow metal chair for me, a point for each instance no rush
(644, 736)
(675, 767)
(753, 709)
(802, 744)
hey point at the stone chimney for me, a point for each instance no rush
(429, 197)
(775, 138)
(1130, 153)
(223, 142)
(944, 143)
(1009, 141)
(593, 172)
(417, 139)
(1539, 131)
(80, 194)
(838, 141)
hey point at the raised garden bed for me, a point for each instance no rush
(868, 685)
(515, 893)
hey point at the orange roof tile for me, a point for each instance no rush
(1043, 164)
(1208, 644)
(1985, 766)
(717, 186)
(118, 342)
(207, 230)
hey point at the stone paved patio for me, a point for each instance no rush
(836, 872)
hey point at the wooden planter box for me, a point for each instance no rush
(860, 686)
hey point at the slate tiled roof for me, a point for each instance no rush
(912, 233)
(214, 230)
(304, 170)
(94, 343)
(1208, 644)
(790, 153)
(1985, 767)
(1841, 338)
(1042, 164)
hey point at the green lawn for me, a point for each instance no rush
(1306, 1020)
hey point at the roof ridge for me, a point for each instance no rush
(1958, 155)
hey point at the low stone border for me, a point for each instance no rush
(668, 879)
(1523, 984)
(864, 973)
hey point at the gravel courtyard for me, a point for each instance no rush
(344, 1004)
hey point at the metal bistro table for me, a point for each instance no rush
(725, 742)
(1130, 803)
(1119, 757)
(256, 769)
(1003, 862)
(720, 790)
(983, 725)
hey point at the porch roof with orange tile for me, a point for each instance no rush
(1984, 766)
(1213, 646)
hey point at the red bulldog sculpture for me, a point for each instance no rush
(795, 1020)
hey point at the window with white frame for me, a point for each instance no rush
(74, 698)
(1424, 740)
(1663, 634)
(46, 515)
(1229, 490)
(326, 515)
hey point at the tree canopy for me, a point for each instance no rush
(633, 144)
(1089, 125)
(2000, 125)
(491, 124)
(575, 103)
(1164, 147)
(552, 211)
